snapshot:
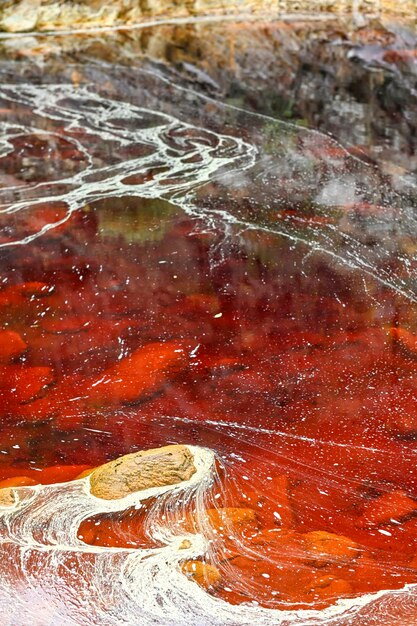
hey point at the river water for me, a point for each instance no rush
(175, 269)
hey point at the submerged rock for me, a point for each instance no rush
(11, 345)
(157, 467)
(138, 375)
(323, 548)
(204, 574)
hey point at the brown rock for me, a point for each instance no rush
(141, 470)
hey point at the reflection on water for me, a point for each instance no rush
(354, 78)
(178, 271)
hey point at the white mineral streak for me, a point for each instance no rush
(185, 156)
(49, 576)
(182, 158)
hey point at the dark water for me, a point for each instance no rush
(178, 271)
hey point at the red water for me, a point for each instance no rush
(121, 331)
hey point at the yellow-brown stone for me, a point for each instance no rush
(7, 497)
(158, 467)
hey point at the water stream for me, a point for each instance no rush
(276, 271)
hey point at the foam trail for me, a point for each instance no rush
(174, 156)
(48, 574)
(120, 149)
(117, 148)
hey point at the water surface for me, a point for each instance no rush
(176, 270)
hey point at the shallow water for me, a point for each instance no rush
(176, 270)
